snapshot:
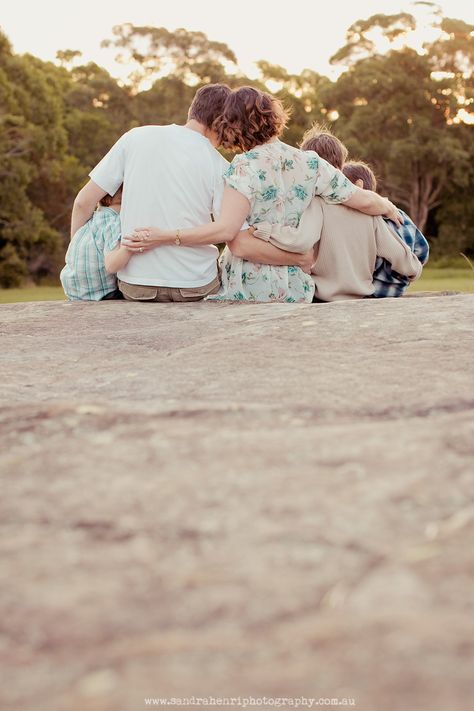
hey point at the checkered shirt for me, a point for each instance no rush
(390, 283)
(84, 277)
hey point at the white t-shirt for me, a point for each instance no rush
(172, 178)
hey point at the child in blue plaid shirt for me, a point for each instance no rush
(90, 272)
(388, 282)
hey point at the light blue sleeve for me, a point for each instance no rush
(111, 231)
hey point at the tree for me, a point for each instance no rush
(455, 216)
(31, 139)
(67, 57)
(361, 42)
(300, 92)
(400, 110)
(166, 102)
(96, 113)
(155, 51)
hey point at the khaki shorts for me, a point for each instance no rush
(136, 292)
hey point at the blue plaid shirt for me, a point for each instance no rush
(388, 282)
(84, 277)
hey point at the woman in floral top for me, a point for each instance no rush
(279, 183)
(269, 182)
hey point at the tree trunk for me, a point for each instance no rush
(425, 191)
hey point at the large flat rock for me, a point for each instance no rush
(237, 500)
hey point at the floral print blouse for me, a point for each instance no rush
(279, 182)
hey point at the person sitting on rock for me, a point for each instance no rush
(347, 243)
(86, 275)
(388, 282)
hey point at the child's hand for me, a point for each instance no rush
(305, 261)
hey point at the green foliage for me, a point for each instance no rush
(12, 267)
(454, 50)
(455, 215)
(359, 43)
(32, 141)
(167, 101)
(416, 152)
(301, 93)
(152, 51)
(399, 111)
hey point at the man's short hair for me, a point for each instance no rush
(357, 170)
(208, 103)
(327, 146)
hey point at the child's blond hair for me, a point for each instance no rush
(320, 139)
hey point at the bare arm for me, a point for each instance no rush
(259, 252)
(372, 204)
(117, 259)
(235, 208)
(84, 205)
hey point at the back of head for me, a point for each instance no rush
(326, 145)
(357, 170)
(208, 103)
(250, 118)
(108, 200)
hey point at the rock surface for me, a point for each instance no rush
(237, 500)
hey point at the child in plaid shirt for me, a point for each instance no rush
(387, 282)
(87, 276)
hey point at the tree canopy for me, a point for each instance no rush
(188, 56)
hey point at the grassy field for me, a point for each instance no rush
(31, 293)
(445, 280)
(433, 279)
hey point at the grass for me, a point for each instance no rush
(32, 293)
(433, 279)
(448, 279)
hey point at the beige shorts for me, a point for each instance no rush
(136, 292)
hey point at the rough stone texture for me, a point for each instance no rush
(215, 499)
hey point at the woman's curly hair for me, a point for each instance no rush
(250, 118)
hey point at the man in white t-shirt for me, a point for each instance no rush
(173, 177)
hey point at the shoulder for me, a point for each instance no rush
(129, 136)
(245, 163)
(105, 216)
(310, 159)
(341, 212)
(220, 163)
(142, 134)
(249, 157)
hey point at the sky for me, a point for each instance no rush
(302, 34)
